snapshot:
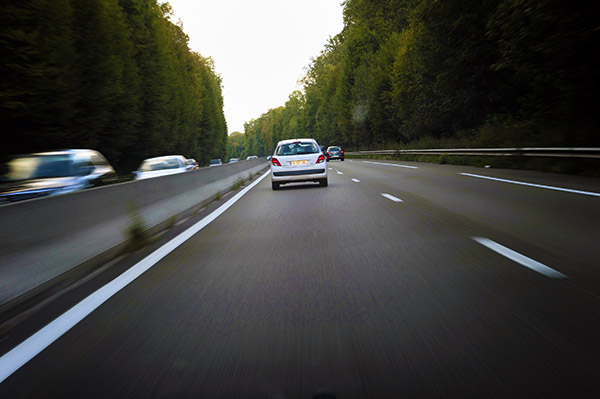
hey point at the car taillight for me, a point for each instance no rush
(342, 151)
(275, 162)
(321, 158)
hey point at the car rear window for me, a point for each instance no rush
(299, 148)
(38, 167)
(159, 164)
(334, 148)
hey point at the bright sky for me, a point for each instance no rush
(260, 47)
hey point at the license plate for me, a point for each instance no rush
(298, 162)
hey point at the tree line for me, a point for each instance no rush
(112, 75)
(424, 73)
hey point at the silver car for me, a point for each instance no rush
(50, 173)
(298, 160)
(162, 166)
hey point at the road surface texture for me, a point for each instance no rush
(391, 282)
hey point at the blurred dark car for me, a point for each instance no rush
(50, 173)
(335, 152)
(215, 162)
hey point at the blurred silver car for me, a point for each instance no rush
(162, 166)
(56, 172)
(298, 160)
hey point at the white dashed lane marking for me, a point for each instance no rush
(355, 180)
(568, 190)
(392, 164)
(391, 197)
(521, 259)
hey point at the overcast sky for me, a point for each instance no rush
(260, 47)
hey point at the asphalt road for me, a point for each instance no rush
(343, 289)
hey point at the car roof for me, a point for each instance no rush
(164, 157)
(63, 152)
(289, 141)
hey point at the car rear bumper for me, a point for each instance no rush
(313, 174)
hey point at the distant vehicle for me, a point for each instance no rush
(335, 152)
(252, 157)
(162, 166)
(234, 160)
(298, 160)
(192, 162)
(49, 173)
(215, 162)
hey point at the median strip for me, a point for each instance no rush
(521, 259)
(568, 190)
(31, 347)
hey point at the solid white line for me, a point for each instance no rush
(338, 172)
(355, 180)
(521, 259)
(391, 197)
(568, 190)
(391, 164)
(28, 349)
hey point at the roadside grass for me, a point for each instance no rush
(571, 166)
(501, 133)
(238, 183)
(136, 231)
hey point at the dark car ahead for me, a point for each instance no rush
(335, 152)
(50, 173)
(324, 152)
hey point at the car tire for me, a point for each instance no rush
(274, 185)
(342, 159)
(323, 182)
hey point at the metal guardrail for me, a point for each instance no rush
(560, 152)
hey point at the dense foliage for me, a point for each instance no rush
(463, 72)
(112, 75)
(236, 145)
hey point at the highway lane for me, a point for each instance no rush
(552, 226)
(341, 288)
